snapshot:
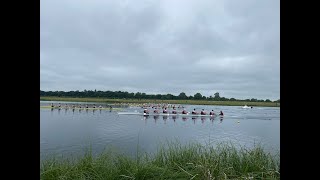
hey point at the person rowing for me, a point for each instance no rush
(203, 112)
(184, 111)
(174, 111)
(87, 106)
(156, 111)
(146, 111)
(165, 110)
(194, 111)
(52, 106)
(100, 106)
(221, 113)
(211, 112)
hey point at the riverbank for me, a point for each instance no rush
(173, 161)
(137, 101)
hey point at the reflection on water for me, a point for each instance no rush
(68, 131)
(183, 118)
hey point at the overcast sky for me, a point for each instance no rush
(162, 46)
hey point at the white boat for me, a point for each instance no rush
(246, 107)
(164, 114)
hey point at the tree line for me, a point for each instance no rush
(139, 95)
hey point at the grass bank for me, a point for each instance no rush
(172, 161)
(194, 102)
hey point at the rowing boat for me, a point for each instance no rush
(164, 114)
(246, 107)
(104, 108)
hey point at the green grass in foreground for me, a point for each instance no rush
(194, 102)
(173, 161)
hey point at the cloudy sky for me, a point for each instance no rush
(162, 46)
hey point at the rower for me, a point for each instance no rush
(59, 105)
(146, 111)
(165, 110)
(203, 113)
(52, 106)
(221, 113)
(94, 106)
(212, 113)
(156, 111)
(184, 111)
(194, 111)
(174, 111)
(100, 106)
(87, 106)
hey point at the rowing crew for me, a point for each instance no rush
(174, 111)
(205, 113)
(74, 106)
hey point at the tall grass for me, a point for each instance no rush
(194, 102)
(171, 161)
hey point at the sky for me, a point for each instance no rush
(162, 46)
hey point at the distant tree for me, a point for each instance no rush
(158, 96)
(197, 96)
(182, 95)
(42, 93)
(137, 95)
(223, 99)
(168, 96)
(216, 96)
(143, 96)
(253, 100)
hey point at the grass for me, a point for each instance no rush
(171, 161)
(193, 102)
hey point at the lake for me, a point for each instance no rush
(67, 132)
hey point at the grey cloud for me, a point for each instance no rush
(205, 46)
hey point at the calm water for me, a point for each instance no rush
(66, 132)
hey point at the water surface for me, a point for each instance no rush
(66, 132)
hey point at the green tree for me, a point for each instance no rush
(253, 100)
(137, 95)
(216, 96)
(183, 96)
(197, 96)
(143, 96)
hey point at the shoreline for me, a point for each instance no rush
(141, 101)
